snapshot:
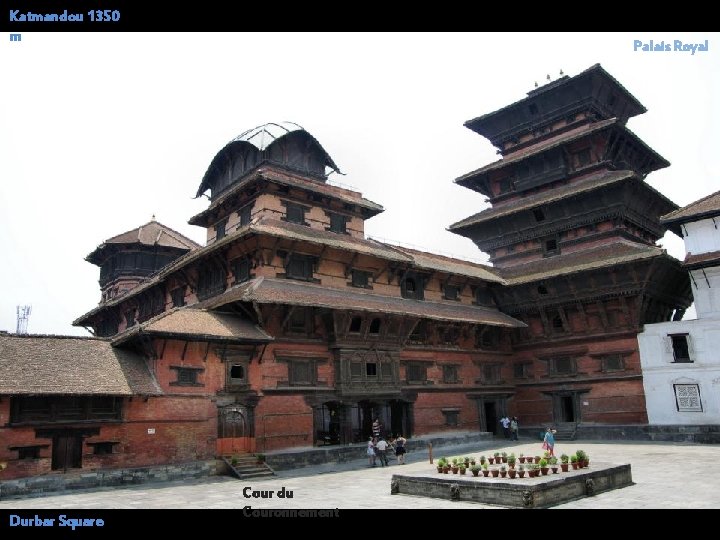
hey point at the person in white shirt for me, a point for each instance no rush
(382, 447)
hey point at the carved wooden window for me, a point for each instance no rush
(360, 279)
(29, 452)
(300, 267)
(220, 227)
(451, 292)
(241, 269)
(178, 297)
(211, 281)
(356, 370)
(355, 325)
(130, 317)
(563, 365)
(452, 417)
(488, 338)
(386, 370)
(483, 297)
(612, 362)
(295, 213)
(416, 373)
(64, 409)
(583, 157)
(245, 215)
(539, 215)
(550, 247)
(419, 333)
(412, 287)
(299, 322)
(302, 373)
(103, 448)
(491, 373)
(237, 373)
(450, 374)
(186, 376)
(375, 325)
(521, 370)
(338, 223)
(371, 369)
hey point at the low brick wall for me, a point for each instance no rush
(59, 482)
(283, 460)
(541, 492)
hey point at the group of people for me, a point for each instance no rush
(510, 427)
(378, 447)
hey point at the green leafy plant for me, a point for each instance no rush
(543, 463)
(564, 458)
(260, 458)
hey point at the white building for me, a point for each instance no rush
(681, 359)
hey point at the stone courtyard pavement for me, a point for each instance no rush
(666, 475)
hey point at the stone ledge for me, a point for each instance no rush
(540, 492)
(83, 479)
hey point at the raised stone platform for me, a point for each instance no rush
(540, 492)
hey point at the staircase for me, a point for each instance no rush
(566, 431)
(247, 466)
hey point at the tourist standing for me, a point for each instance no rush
(400, 449)
(382, 447)
(505, 421)
(371, 452)
(514, 428)
(549, 441)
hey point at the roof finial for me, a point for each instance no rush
(548, 77)
(536, 84)
(561, 72)
(153, 217)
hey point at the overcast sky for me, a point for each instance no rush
(98, 132)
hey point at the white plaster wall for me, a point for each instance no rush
(702, 236)
(706, 292)
(660, 373)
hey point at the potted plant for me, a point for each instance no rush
(537, 459)
(564, 462)
(521, 471)
(485, 470)
(553, 464)
(472, 461)
(260, 458)
(475, 470)
(534, 470)
(483, 459)
(544, 466)
(466, 459)
(511, 461)
(495, 472)
(440, 465)
(522, 457)
(581, 455)
(455, 467)
(512, 472)
(574, 462)
(234, 461)
(462, 468)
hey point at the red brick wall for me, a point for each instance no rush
(185, 430)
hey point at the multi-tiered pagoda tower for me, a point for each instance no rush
(572, 229)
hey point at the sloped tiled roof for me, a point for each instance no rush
(199, 324)
(31, 364)
(450, 265)
(606, 255)
(281, 291)
(151, 233)
(593, 182)
(286, 178)
(706, 207)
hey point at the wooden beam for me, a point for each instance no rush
(349, 266)
(182, 356)
(603, 314)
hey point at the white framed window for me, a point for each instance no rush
(687, 398)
